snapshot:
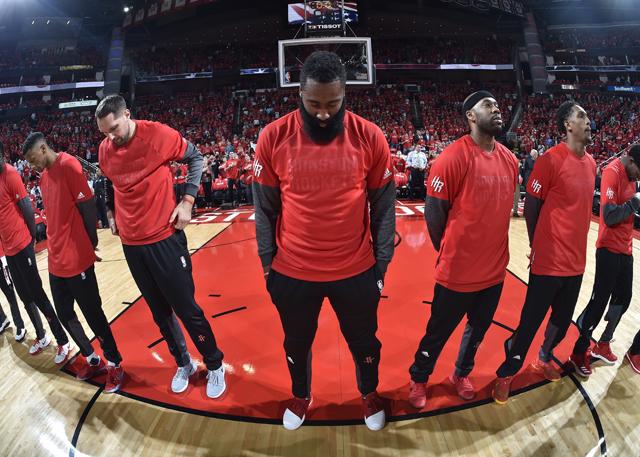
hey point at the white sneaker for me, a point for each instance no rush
(215, 384)
(4, 325)
(39, 345)
(61, 353)
(20, 334)
(180, 380)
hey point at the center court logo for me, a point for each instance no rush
(437, 184)
(536, 186)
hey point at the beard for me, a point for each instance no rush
(489, 128)
(322, 135)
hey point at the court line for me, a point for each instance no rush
(83, 418)
(592, 408)
(66, 370)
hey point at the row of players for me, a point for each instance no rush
(333, 239)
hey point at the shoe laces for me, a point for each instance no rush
(372, 404)
(464, 382)
(215, 376)
(62, 349)
(299, 406)
(183, 372)
(113, 375)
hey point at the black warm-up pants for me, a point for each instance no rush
(614, 280)
(558, 292)
(162, 271)
(355, 302)
(26, 279)
(83, 288)
(447, 310)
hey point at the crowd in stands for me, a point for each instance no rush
(614, 122)
(226, 138)
(609, 38)
(441, 50)
(14, 59)
(176, 60)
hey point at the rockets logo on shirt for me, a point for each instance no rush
(610, 193)
(437, 184)
(257, 168)
(536, 186)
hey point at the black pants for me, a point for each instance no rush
(558, 292)
(355, 302)
(206, 186)
(26, 278)
(163, 274)
(416, 184)
(635, 347)
(614, 279)
(83, 289)
(232, 190)
(7, 288)
(101, 208)
(447, 310)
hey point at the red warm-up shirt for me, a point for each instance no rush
(565, 183)
(14, 232)
(142, 181)
(479, 185)
(323, 230)
(63, 187)
(616, 189)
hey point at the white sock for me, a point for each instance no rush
(93, 357)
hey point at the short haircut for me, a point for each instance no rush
(111, 104)
(323, 67)
(31, 141)
(564, 111)
(634, 153)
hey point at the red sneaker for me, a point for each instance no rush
(582, 363)
(88, 371)
(547, 370)
(295, 412)
(418, 394)
(463, 386)
(373, 409)
(501, 390)
(115, 376)
(603, 352)
(634, 361)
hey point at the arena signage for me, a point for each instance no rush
(634, 89)
(78, 104)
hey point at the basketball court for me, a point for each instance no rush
(49, 409)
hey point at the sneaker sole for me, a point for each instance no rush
(604, 359)
(114, 390)
(578, 371)
(104, 370)
(500, 402)
(633, 367)
(187, 386)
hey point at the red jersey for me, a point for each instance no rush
(142, 181)
(63, 187)
(565, 182)
(399, 164)
(232, 168)
(616, 189)
(14, 232)
(479, 186)
(323, 229)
